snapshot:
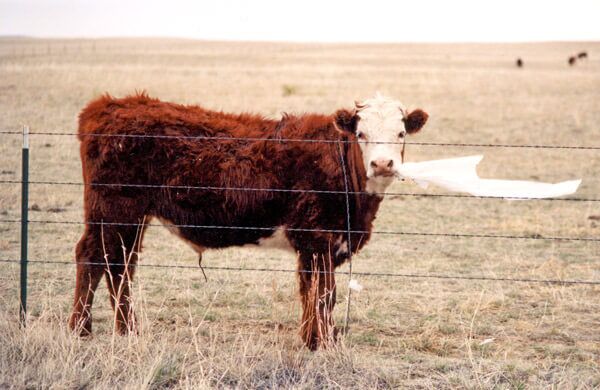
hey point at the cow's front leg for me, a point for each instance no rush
(317, 292)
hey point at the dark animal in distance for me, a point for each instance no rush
(310, 224)
(582, 55)
(519, 63)
(572, 60)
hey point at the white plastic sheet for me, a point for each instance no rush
(460, 175)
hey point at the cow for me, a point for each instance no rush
(572, 60)
(581, 55)
(519, 63)
(211, 175)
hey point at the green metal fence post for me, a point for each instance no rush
(24, 220)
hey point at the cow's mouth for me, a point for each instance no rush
(385, 174)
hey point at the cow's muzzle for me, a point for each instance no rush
(383, 168)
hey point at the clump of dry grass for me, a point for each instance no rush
(289, 90)
(189, 341)
(46, 354)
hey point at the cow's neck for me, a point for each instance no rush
(378, 185)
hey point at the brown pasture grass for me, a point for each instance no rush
(239, 329)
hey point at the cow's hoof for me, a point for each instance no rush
(125, 329)
(82, 327)
(314, 342)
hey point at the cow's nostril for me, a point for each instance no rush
(382, 164)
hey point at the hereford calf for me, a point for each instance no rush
(137, 140)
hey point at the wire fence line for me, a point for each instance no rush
(311, 230)
(292, 190)
(287, 270)
(24, 221)
(308, 140)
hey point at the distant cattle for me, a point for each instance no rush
(519, 63)
(211, 173)
(582, 55)
(572, 60)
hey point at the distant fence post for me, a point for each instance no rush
(24, 221)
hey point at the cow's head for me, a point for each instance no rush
(381, 125)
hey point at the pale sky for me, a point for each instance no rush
(308, 20)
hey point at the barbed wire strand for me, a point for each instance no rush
(348, 238)
(340, 231)
(267, 139)
(283, 270)
(293, 190)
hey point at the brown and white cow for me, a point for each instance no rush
(166, 155)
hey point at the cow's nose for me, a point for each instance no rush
(382, 164)
(382, 167)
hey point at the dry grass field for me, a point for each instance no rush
(239, 329)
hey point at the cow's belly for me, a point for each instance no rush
(177, 231)
(201, 239)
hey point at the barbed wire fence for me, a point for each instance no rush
(24, 221)
(62, 47)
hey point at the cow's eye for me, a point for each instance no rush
(361, 135)
(401, 135)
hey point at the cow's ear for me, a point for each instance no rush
(414, 121)
(346, 120)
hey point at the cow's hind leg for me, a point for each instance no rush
(90, 268)
(317, 292)
(120, 269)
(111, 250)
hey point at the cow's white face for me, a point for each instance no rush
(381, 125)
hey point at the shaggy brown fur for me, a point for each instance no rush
(172, 161)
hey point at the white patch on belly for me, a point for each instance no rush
(342, 246)
(343, 249)
(277, 240)
(175, 230)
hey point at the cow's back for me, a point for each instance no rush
(139, 138)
